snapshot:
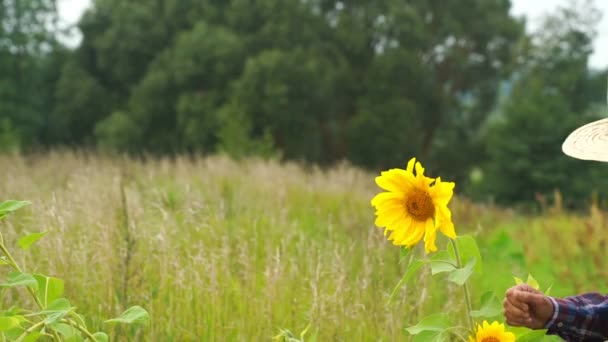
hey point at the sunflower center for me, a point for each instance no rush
(420, 205)
(490, 339)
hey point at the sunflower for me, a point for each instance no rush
(413, 206)
(494, 332)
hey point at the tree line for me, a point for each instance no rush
(459, 84)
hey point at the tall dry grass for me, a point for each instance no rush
(219, 250)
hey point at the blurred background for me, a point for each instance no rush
(483, 92)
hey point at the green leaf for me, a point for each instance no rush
(54, 317)
(411, 270)
(32, 337)
(13, 333)
(3, 261)
(101, 337)
(55, 311)
(58, 305)
(532, 282)
(461, 275)
(26, 241)
(65, 329)
(441, 262)
(16, 279)
(10, 322)
(441, 266)
(468, 250)
(430, 336)
(548, 291)
(436, 322)
(10, 206)
(490, 306)
(49, 288)
(532, 336)
(74, 338)
(134, 314)
(518, 281)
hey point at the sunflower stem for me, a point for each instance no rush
(465, 286)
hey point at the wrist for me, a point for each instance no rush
(551, 313)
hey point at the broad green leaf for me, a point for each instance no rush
(490, 306)
(461, 275)
(468, 250)
(411, 270)
(532, 282)
(101, 337)
(436, 322)
(58, 305)
(532, 336)
(10, 322)
(441, 262)
(10, 206)
(134, 314)
(16, 279)
(32, 337)
(13, 333)
(54, 317)
(55, 311)
(74, 338)
(65, 329)
(49, 288)
(26, 241)
(441, 266)
(430, 336)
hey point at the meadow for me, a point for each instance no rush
(223, 250)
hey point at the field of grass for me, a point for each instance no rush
(220, 250)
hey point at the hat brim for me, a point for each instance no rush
(589, 142)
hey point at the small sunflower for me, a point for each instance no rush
(494, 332)
(414, 206)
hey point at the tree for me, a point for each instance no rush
(27, 47)
(549, 99)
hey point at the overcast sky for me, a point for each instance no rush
(71, 10)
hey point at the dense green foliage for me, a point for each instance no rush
(318, 81)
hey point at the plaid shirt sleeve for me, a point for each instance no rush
(580, 318)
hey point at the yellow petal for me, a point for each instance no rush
(419, 170)
(387, 184)
(444, 219)
(400, 179)
(416, 233)
(442, 192)
(410, 165)
(387, 218)
(403, 230)
(430, 236)
(388, 207)
(384, 197)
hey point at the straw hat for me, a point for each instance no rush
(589, 142)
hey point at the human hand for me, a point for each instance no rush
(525, 306)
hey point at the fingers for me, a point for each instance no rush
(514, 316)
(513, 296)
(531, 299)
(528, 288)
